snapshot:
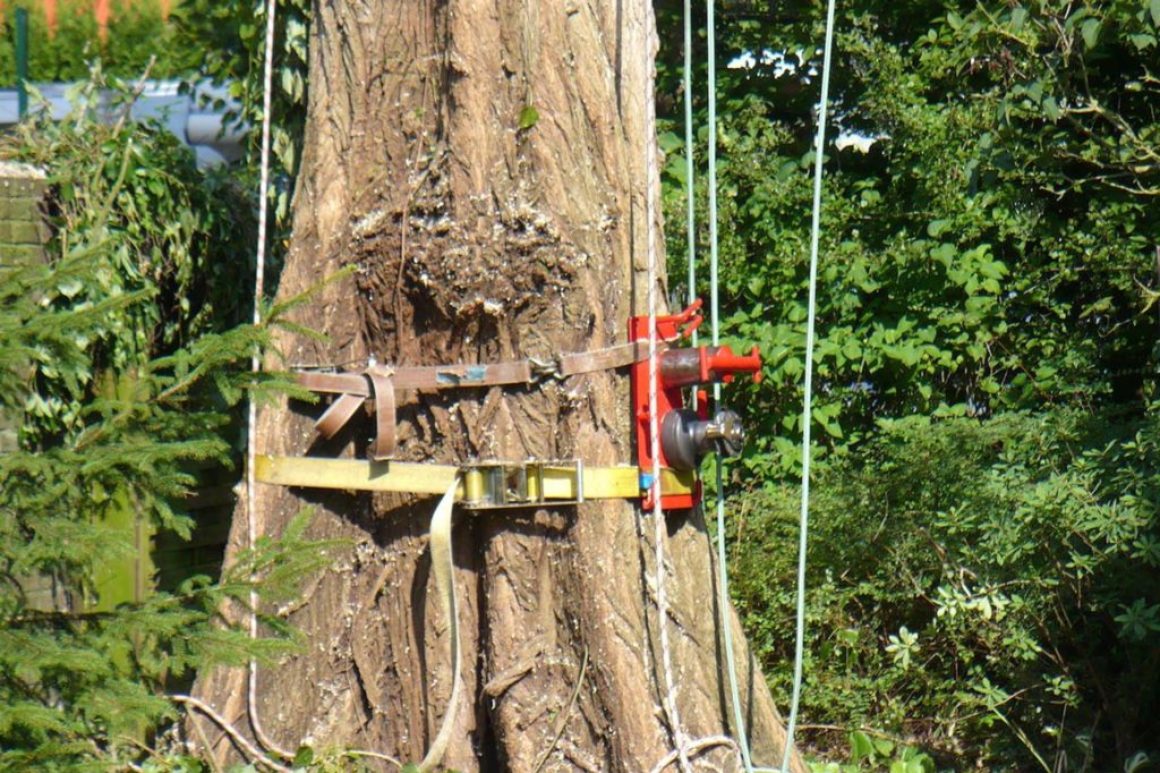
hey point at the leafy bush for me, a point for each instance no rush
(984, 254)
(983, 555)
(162, 229)
(986, 588)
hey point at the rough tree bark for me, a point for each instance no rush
(476, 240)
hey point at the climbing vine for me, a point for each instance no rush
(224, 41)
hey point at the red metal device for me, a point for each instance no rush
(678, 369)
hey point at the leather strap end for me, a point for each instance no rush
(385, 418)
(337, 415)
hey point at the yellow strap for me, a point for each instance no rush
(559, 482)
(443, 564)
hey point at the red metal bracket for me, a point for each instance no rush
(678, 368)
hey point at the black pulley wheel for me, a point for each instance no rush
(682, 434)
(686, 438)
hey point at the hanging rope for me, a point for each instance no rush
(690, 202)
(723, 602)
(255, 366)
(651, 175)
(807, 406)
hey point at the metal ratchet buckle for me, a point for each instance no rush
(494, 485)
(543, 369)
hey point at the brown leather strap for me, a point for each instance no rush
(602, 359)
(334, 418)
(335, 383)
(483, 375)
(337, 415)
(459, 376)
(380, 382)
(423, 377)
(384, 445)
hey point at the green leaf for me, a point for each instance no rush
(1142, 42)
(1154, 9)
(675, 167)
(861, 747)
(937, 228)
(1090, 30)
(528, 117)
(1051, 109)
(304, 757)
(669, 141)
(944, 253)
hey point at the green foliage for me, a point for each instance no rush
(129, 200)
(979, 257)
(120, 387)
(137, 35)
(874, 752)
(225, 42)
(986, 587)
(983, 561)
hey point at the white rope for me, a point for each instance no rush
(243, 743)
(651, 176)
(807, 407)
(255, 366)
(694, 748)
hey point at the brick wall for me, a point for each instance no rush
(22, 237)
(22, 229)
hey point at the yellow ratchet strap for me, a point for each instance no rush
(482, 485)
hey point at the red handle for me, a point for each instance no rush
(723, 364)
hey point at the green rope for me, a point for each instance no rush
(807, 407)
(715, 321)
(690, 203)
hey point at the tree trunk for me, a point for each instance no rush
(480, 235)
